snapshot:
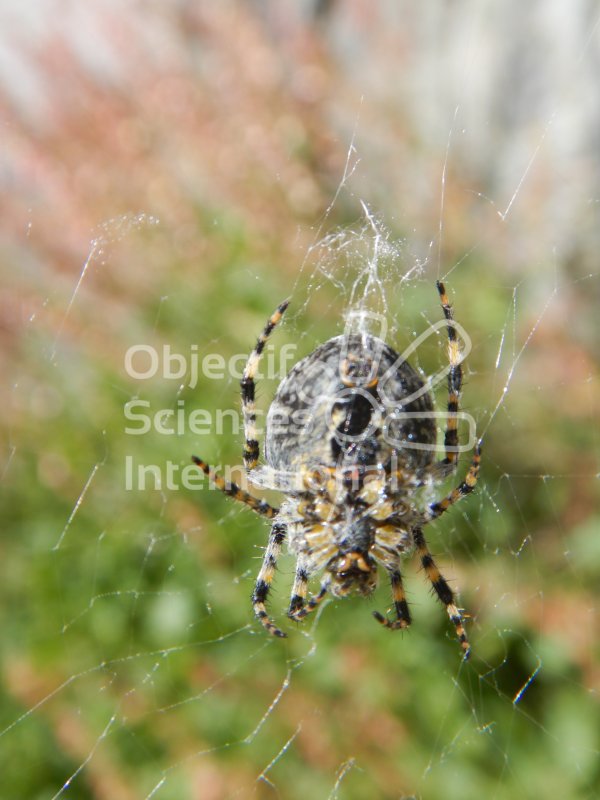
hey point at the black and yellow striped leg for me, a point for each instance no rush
(265, 579)
(251, 448)
(233, 490)
(463, 489)
(400, 605)
(442, 590)
(299, 590)
(304, 610)
(454, 383)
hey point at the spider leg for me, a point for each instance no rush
(303, 610)
(455, 377)
(251, 448)
(401, 606)
(463, 489)
(442, 589)
(299, 589)
(265, 579)
(233, 490)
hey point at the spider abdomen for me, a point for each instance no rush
(352, 401)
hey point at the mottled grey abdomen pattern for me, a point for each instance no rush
(342, 405)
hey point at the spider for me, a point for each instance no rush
(350, 439)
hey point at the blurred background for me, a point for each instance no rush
(169, 173)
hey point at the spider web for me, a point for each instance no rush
(461, 146)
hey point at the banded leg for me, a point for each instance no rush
(442, 590)
(304, 610)
(233, 490)
(265, 579)
(401, 606)
(463, 489)
(454, 383)
(251, 449)
(299, 590)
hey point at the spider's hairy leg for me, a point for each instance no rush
(455, 378)
(251, 448)
(233, 490)
(265, 579)
(303, 610)
(400, 605)
(463, 489)
(442, 590)
(299, 589)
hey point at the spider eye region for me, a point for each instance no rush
(352, 572)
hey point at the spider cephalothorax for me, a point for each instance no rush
(350, 439)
